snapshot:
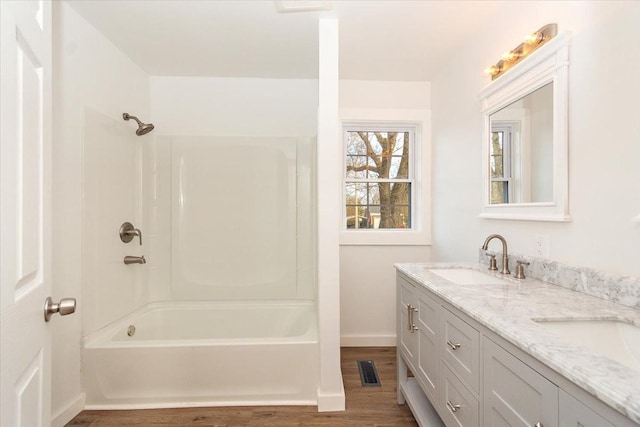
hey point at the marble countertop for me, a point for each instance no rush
(508, 309)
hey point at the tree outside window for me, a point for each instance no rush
(378, 178)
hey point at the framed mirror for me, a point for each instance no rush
(524, 139)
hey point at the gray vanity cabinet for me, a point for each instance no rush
(465, 375)
(418, 329)
(514, 394)
(574, 413)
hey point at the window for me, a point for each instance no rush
(378, 177)
(386, 178)
(500, 164)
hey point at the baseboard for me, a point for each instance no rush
(368, 341)
(331, 402)
(67, 414)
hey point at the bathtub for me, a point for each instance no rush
(224, 353)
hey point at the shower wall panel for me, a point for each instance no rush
(233, 218)
(111, 195)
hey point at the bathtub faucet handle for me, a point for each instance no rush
(127, 231)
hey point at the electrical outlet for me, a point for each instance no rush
(542, 246)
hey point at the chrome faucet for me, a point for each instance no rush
(505, 256)
(134, 260)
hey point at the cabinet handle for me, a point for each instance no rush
(454, 408)
(413, 322)
(411, 325)
(452, 345)
(538, 425)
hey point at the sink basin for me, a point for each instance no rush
(614, 339)
(467, 276)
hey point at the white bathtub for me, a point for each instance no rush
(224, 353)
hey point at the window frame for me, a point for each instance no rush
(507, 160)
(418, 123)
(411, 131)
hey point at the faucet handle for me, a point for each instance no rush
(127, 231)
(492, 262)
(520, 269)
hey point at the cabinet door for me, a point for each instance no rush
(575, 414)
(429, 320)
(407, 327)
(514, 394)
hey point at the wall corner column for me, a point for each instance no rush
(330, 388)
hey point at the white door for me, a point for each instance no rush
(25, 212)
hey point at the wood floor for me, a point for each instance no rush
(366, 406)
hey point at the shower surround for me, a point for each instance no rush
(228, 229)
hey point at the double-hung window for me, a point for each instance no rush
(382, 191)
(500, 165)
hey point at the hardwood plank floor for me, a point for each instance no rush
(366, 406)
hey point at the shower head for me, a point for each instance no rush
(143, 128)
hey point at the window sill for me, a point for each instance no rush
(384, 237)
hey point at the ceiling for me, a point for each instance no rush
(379, 39)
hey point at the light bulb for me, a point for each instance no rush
(510, 56)
(492, 70)
(534, 38)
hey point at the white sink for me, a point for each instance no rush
(467, 276)
(614, 339)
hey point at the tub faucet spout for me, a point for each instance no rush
(134, 260)
(505, 256)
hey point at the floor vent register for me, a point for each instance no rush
(368, 373)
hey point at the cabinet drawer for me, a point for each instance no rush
(462, 349)
(461, 408)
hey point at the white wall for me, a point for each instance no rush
(367, 276)
(199, 106)
(604, 130)
(89, 72)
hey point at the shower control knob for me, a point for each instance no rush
(64, 307)
(128, 231)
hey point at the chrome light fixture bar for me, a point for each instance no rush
(531, 42)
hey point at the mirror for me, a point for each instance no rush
(521, 150)
(525, 144)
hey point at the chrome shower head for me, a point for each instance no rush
(143, 128)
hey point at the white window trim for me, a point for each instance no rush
(508, 160)
(420, 233)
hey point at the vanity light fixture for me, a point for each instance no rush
(531, 42)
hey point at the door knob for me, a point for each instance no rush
(64, 307)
